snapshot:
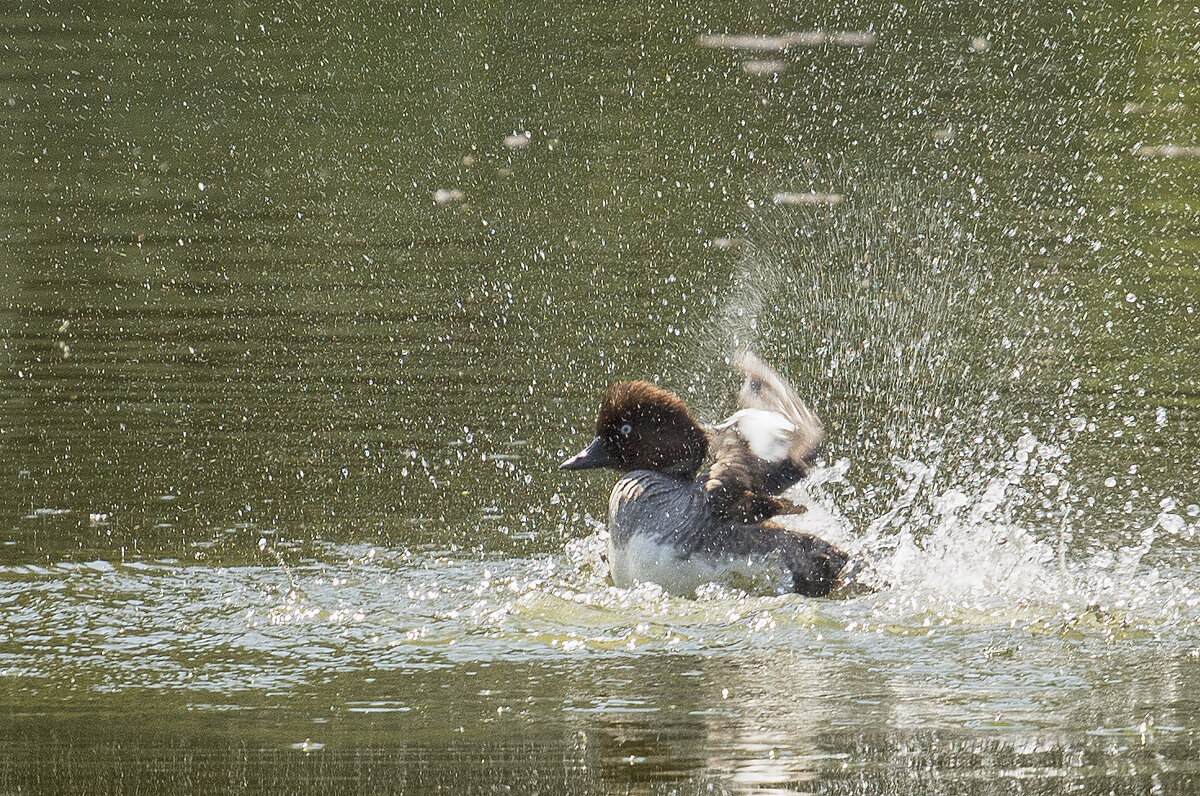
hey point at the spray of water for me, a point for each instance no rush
(880, 309)
(950, 434)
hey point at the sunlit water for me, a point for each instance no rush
(976, 625)
(973, 578)
(302, 307)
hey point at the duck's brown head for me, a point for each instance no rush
(641, 426)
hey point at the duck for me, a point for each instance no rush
(678, 524)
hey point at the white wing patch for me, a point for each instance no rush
(767, 433)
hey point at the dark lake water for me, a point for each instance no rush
(303, 304)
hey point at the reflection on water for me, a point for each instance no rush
(214, 756)
(713, 724)
(421, 658)
(300, 305)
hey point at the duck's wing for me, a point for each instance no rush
(763, 448)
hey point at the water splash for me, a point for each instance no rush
(946, 555)
(964, 457)
(884, 313)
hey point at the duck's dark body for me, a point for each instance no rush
(672, 525)
(664, 530)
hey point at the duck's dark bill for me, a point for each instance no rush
(594, 455)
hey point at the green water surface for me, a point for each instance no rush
(302, 304)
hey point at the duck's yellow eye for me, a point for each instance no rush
(626, 429)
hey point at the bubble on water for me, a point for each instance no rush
(518, 139)
(445, 196)
(761, 68)
(806, 198)
(308, 746)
